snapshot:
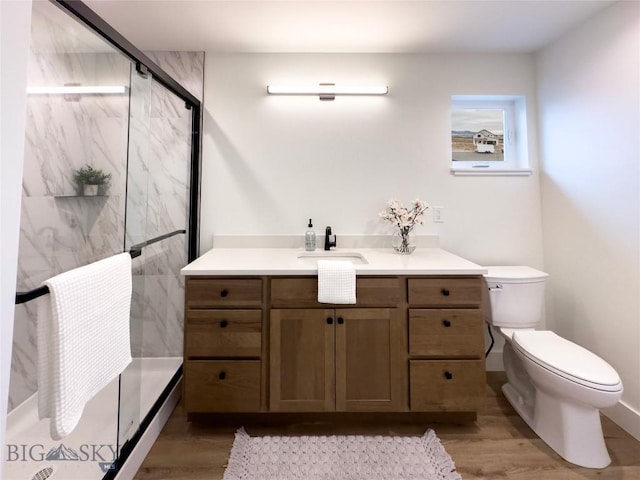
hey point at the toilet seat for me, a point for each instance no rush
(567, 359)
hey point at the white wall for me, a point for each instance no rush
(589, 110)
(15, 21)
(270, 163)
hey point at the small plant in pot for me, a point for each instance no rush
(90, 180)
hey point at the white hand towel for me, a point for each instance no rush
(83, 338)
(336, 282)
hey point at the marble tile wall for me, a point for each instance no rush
(60, 231)
(185, 67)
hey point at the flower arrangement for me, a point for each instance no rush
(405, 218)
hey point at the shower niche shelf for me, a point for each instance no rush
(79, 196)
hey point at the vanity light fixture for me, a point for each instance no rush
(326, 91)
(77, 90)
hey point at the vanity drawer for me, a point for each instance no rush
(445, 292)
(446, 333)
(303, 292)
(207, 292)
(223, 333)
(222, 386)
(446, 385)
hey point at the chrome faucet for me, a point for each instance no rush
(329, 239)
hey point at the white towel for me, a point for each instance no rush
(336, 281)
(83, 338)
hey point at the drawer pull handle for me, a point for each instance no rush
(340, 320)
(329, 321)
(446, 323)
(224, 292)
(448, 375)
(222, 375)
(445, 292)
(223, 324)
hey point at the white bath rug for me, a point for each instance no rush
(352, 457)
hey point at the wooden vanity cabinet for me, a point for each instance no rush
(446, 344)
(223, 344)
(265, 344)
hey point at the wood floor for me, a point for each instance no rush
(498, 445)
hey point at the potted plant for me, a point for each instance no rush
(89, 179)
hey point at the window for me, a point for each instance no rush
(488, 135)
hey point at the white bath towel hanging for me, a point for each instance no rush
(336, 282)
(83, 338)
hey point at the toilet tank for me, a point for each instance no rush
(517, 296)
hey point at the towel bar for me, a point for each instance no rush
(134, 251)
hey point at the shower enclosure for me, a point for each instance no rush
(94, 100)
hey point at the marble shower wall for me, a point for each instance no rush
(60, 231)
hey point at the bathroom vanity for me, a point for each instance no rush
(257, 340)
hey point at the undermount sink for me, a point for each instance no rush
(311, 258)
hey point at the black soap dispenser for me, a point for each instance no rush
(310, 238)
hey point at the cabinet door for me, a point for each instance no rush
(371, 366)
(302, 367)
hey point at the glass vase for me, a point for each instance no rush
(402, 242)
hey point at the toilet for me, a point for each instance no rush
(556, 386)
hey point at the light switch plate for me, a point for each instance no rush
(438, 214)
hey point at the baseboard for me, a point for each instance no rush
(626, 417)
(131, 466)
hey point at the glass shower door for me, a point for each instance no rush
(129, 415)
(157, 219)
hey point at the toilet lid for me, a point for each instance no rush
(514, 274)
(567, 359)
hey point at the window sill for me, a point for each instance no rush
(495, 172)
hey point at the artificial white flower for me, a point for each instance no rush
(404, 218)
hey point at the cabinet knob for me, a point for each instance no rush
(340, 320)
(448, 375)
(446, 323)
(223, 324)
(445, 292)
(222, 375)
(329, 321)
(224, 292)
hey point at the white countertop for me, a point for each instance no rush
(285, 261)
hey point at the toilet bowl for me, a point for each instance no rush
(556, 386)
